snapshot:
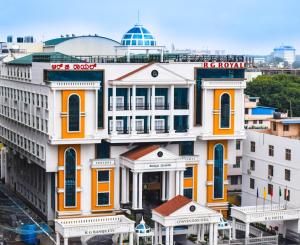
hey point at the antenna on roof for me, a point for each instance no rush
(138, 17)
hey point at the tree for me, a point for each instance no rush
(277, 91)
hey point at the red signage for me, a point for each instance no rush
(79, 66)
(224, 65)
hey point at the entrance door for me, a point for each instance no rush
(151, 190)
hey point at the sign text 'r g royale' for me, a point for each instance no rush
(224, 65)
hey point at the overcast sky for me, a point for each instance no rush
(237, 26)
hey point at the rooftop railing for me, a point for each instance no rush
(59, 58)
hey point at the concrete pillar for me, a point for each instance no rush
(177, 183)
(114, 109)
(298, 225)
(133, 101)
(121, 239)
(233, 228)
(124, 186)
(66, 241)
(199, 233)
(171, 235)
(215, 234)
(211, 234)
(191, 107)
(130, 238)
(172, 109)
(170, 184)
(163, 186)
(247, 230)
(181, 182)
(202, 232)
(155, 233)
(167, 236)
(284, 229)
(159, 233)
(140, 191)
(153, 109)
(134, 190)
(127, 186)
(57, 238)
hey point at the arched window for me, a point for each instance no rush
(70, 178)
(74, 112)
(218, 171)
(225, 111)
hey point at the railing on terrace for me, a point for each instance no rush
(267, 240)
(136, 58)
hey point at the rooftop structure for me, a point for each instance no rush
(138, 36)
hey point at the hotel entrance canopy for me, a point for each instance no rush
(92, 226)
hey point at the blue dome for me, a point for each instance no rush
(138, 36)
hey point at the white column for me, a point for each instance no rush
(284, 229)
(155, 233)
(171, 235)
(215, 234)
(167, 236)
(57, 239)
(134, 190)
(159, 233)
(202, 232)
(181, 183)
(140, 191)
(130, 238)
(65, 241)
(298, 219)
(211, 234)
(54, 117)
(124, 187)
(127, 186)
(153, 109)
(114, 109)
(247, 230)
(133, 101)
(199, 233)
(121, 239)
(163, 186)
(233, 228)
(171, 118)
(191, 107)
(96, 111)
(170, 184)
(177, 184)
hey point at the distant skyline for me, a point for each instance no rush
(236, 26)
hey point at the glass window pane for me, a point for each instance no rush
(103, 198)
(103, 176)
(70, 178)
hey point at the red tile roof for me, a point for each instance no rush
(135, 71)
(172, 205)
(140, 151)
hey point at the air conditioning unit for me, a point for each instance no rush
(270, 177)
(248, 171)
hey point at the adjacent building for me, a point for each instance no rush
(286, 53)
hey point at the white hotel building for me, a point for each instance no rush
(95, 137)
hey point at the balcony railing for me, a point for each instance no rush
(161, 130)
(144, 106)
(120, 107)
(162, 107)
(181, 106)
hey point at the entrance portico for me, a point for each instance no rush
(152, 158)
(181, 211)
(93, 226)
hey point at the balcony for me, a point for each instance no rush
(159, 106)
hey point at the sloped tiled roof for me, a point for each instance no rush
(140, 151)
(172, 205)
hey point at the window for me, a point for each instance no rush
(270, 189)
(287, 174)
(286, 127)
(274, 126)
(188, 173)
(139, 125)
(234, 180)
(70, 178)
(246, 111)
(238, 145)
(74, 113)
(188, 192)
(237, 162)
(252, 183)
(288, 154)
(225, 111)
(159, 102)
(103, 198)
(103, 176)
(218, 171)
(252, 148)
(186, 148)
(255, 122)
(252, 165)
(271, 150)
(287, 195)
(260, 121)
(103, 150)
(160, 125)
(270, 170)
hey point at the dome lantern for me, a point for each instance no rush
(138, 36)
